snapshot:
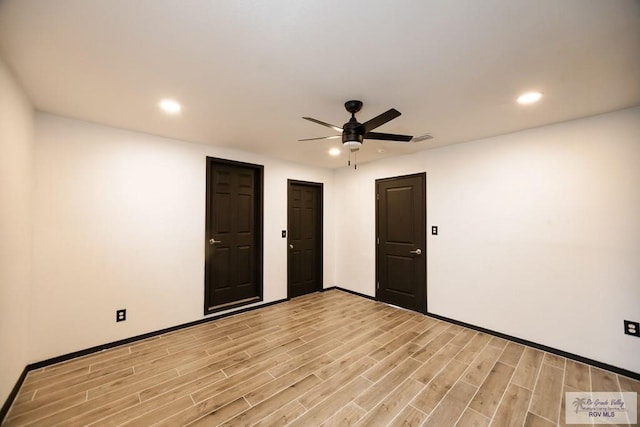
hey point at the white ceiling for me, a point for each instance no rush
(247, 70)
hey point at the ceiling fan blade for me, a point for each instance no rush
(388, 136)
(336, 128)
(380, 120)
(322, 137)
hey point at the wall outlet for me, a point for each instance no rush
(121, 315)
(434, 230)
(632, 328)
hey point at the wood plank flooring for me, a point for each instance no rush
(326, 359)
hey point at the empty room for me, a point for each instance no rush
(319, 213)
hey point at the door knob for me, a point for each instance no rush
(214, 241)
(291, 246)
(417, 252)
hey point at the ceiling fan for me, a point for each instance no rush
(353, 133)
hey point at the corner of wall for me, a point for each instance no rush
(16, 228)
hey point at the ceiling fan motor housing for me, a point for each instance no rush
(352, 133)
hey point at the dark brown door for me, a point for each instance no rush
(304, 222)
(401, 253)
(233, 265)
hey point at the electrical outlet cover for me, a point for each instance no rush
(632, 328)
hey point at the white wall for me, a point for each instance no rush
(119, 223)
(16, 191)
(539, 233)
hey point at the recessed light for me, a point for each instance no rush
(529, 98)
(170, 106)
(334, 152)
(381, 150)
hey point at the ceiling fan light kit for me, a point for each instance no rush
(354, 133)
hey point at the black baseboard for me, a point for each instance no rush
(577, 358)
(87, 351)
(14, 392)
(98, 348)
(349, 291)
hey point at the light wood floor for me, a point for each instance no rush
(326, 359)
